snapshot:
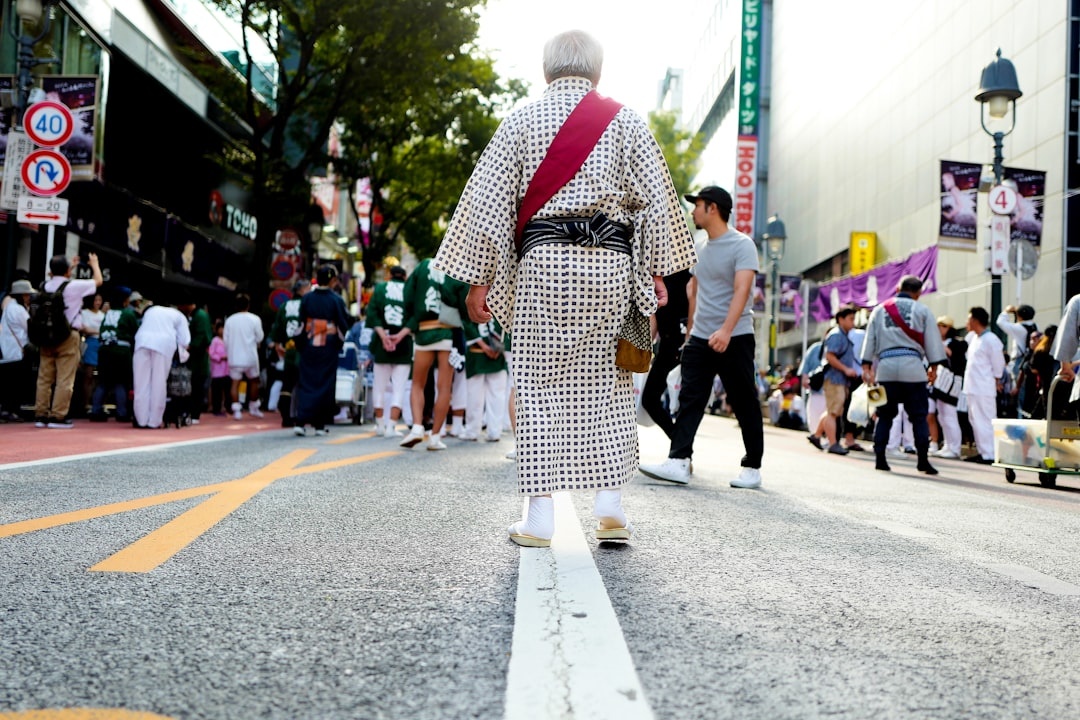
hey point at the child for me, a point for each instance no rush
(220, 383)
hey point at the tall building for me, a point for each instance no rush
(871, 149)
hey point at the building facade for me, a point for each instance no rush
(861, 105)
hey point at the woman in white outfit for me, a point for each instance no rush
(162, 334)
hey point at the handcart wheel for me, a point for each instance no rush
(1010, 475)
(1048, 480)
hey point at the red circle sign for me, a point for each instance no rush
(48, 123)
(46, 173)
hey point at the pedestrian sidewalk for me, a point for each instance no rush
(22, 442)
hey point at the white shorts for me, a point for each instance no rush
(441, 346)
(239, 373)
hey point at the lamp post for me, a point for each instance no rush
(774, 236)
(26, 13)
(998, 91)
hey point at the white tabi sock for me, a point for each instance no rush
(608, 509)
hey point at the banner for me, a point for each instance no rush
(870, 288)
(757, 295)
(790, 298)
(1027, 219)
(959, 195)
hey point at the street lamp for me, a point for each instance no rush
(774, 236)
(998, 91)
(26, 13)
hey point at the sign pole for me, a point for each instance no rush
(49, 249)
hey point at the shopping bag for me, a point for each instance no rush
(643, 418)
(674, 385)
(859, 410)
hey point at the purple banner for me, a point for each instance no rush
(790, 299)
(757, 294)
(870, 288)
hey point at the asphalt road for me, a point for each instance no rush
(271, 576)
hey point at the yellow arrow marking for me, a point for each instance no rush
(154, 549)
(350, 438)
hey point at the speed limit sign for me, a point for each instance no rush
(48, 123)
(1002, 200)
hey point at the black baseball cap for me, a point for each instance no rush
(716, 195)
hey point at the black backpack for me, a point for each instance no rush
(48, 326)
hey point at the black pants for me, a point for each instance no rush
(914, 396)
(666, 360)
(735, 366)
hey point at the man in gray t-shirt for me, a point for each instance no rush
(720, 342)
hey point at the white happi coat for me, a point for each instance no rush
(576, 425)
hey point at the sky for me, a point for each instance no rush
(641, 39)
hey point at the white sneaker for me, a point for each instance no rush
(465, 437)
(322, 431)
(255, 412)
(299, 430)
(512, 455)
(436, 443)
(412, 438)
(236, 412)
(947, 453)
(749, 478)
(895, 452)
(933, 447)
(194, 421)
(676, 470)
(392, 432)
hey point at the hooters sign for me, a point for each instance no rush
(745, 184)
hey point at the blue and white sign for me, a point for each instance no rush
(48, 123)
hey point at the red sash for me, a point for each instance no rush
(572, 144)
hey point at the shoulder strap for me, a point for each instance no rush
(572, 144)
(894, 313)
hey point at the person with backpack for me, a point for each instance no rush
(54, 327)
(1019, 324)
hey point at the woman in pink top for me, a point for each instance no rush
(220, 383)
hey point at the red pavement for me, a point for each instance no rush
(22, 442)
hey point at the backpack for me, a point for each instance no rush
(48, 326)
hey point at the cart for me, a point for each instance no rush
(350, 390)
(1048, 447)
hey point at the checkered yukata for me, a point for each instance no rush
(576, 426)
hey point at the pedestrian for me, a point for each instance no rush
(815, 399)
(454, 294)
(433, 345)
(839, 358)
(567, 292)
(163, 334)
(982, 382)
(1018, 324)
(391, 350)
(90, 318)
(721, 342)
(202, 333)
(243, 334)
(948, 403)
(902, 339)
(1066, 345)
(1044, 367)
(220, 382)
(325, 321)
(485, 368)
(57, 365)
(115, 379)
(14, 361)
(283, 333)
(671, 320)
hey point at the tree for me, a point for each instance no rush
(682, 149)
(419, 154)
(333, 59)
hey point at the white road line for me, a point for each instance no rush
(118, 451)
(569, 658)
(1035, 579)
(901, 529)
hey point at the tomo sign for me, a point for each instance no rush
(46, 173)
(48, 123)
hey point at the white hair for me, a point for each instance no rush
(573, 53)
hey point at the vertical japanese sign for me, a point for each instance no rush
(999, 245)
(749, 110)
(862, 254)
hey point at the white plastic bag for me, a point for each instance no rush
(643, 418)
(674, 385)
(859, 410)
